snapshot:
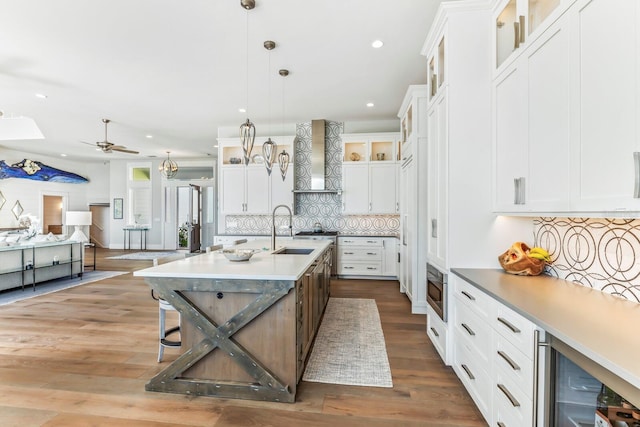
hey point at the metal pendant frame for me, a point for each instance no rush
(283, 161)
(269, 150)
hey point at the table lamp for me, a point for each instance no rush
(78, 219)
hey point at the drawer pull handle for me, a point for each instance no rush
(371, 268)
(348, 268)
(372, 241)
(468, 329)
(471, 297)
(509, 325)
(501, 424)
(348, 253)
(509, 360)
(506, 392)
(435, 332)
(372, 253)
(469, 374)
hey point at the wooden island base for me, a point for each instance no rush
(244, 338)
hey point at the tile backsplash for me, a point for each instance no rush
(599, 253)
(310, 208)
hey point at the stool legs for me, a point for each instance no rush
(163, 306)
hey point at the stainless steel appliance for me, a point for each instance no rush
(325, 235)
(437, 291)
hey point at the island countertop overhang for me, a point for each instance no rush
(264, 265)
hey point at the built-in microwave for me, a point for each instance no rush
(437, 291)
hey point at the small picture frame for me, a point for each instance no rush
(117, 208)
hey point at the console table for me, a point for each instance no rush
(127, 236)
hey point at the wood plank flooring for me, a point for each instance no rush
(81, 357)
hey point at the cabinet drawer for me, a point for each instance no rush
(371, 269)
(513, 363)
(473, 330)
(514, 327)
(475, 379)
(511, 406)
(364, 254)
(360, 241)
(437, 332)
(474, 298)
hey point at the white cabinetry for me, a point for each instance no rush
(369, 173)
(495, 352)
(531, 127)
(606, 114)
(366, 256)
(248, 189)
(412, 196)
(390, 256)
(566, 134)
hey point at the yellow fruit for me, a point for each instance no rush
(538, 256)
(539, 250)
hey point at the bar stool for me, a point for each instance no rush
(163, 307)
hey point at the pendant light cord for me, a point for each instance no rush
(247, 63)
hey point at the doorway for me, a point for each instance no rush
(99, 229)
(189, 215)
(52, 208)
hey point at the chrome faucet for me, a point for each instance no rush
(273, 221)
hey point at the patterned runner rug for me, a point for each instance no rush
(349, 348)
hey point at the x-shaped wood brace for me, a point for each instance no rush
(267, 386)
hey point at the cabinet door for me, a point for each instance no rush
(606, 117)
(390, 257)
(281, 190)
(547, 69)
(355, 188)
(232, 188)
(438, 184)
(509, 141)
(382, 188)
(257, 190)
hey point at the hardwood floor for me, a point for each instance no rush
(81, 357)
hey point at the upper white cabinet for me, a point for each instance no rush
(605, 113)
(369, 173)
(531, 126)
(565, 131)
(517, 22)
(248, 189)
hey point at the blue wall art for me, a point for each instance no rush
(38, 171)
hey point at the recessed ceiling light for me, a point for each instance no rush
(149, 136)
(377, 44)
(41, 96)
(242, 110)
(63, 155)
(370, 104)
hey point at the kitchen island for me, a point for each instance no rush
(246, 327)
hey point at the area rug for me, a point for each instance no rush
(43, 288)
(349, 348)
(144, 256)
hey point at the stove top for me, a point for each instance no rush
(311, 233)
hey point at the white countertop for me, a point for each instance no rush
(601, 326)
(262, 266)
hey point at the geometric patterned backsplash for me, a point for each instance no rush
(310, 208)
(601, 253)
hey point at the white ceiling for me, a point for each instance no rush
(177, 70)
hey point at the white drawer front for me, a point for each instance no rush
(473, 330)
(515, 328)
(475, 378)
(474, 298)
(437, 332)
(513, 363)
(360, 241)
(511, 406)
(362, 269)
(364, 254)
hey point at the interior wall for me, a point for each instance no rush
(30, 192)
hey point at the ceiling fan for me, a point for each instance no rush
(109, 147)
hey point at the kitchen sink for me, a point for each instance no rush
(293, 251)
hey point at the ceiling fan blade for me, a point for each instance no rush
(122, 149)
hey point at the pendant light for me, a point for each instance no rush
(269, 148)
(283, 157)
(247, 129)
(168, 168)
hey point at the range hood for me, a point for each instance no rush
(317, 160)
